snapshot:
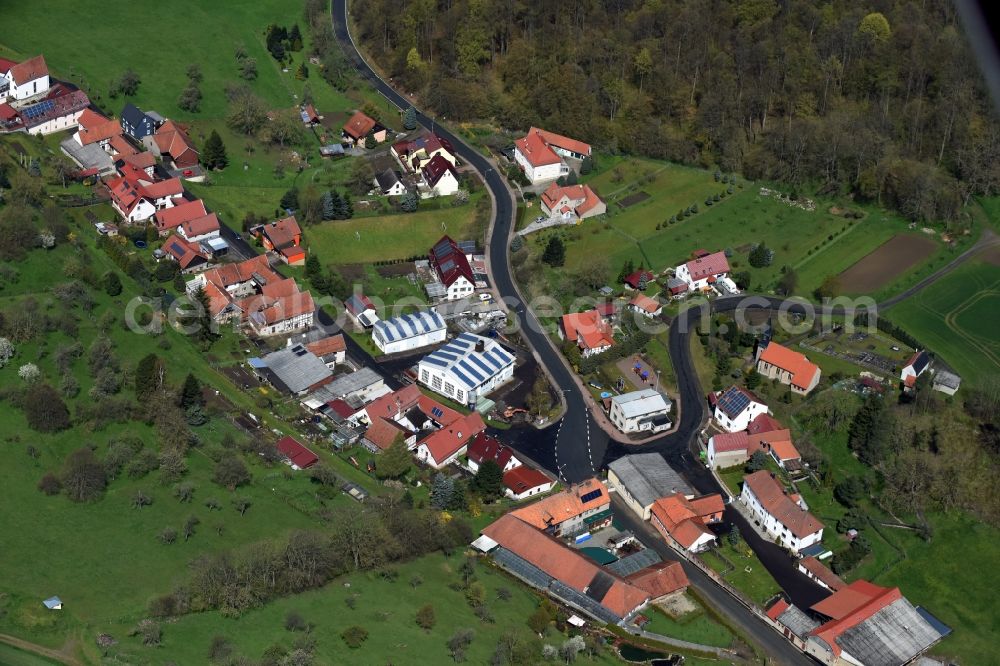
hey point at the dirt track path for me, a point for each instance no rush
(988, 240)
(41, 650)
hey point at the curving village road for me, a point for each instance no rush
(576, 447)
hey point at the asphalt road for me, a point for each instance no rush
(576, 447)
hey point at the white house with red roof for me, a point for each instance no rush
(540, 154)
(783, 518)
(523, 482)
(439, 178)
(189, 256)
(203, 228)
(684, 521)
(486, 447)
(646, 306)
(453, 269)
(94, 127)
(361, 309)
(136, 198)
(169, 219)
(445, 445)
(788, 367)
(23, 80)
(735, 408)
(571, 201)
(702, 272)
(591, 333)
(414, 154)
(359, 126)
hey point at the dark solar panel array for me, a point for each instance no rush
(733, 401)
(37, 110)
(592, 495)
(436, 412)
(635, 562)
(521, 568)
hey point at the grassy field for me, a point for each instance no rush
(956, 318)
(190, 31)
(816, 244)
(696, 626)
(386, 608)
(369, 239)
(75, 550)
(756, 583)
(11, 656)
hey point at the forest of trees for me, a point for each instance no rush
(882, 100)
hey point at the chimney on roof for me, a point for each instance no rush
(480, 346)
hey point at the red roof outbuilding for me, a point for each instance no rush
(297, 454)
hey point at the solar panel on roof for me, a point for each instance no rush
(465, 365)
(465, 380)
(435, 361)
(437, 412)
(176, 247)
(592, 495)
(478, 361)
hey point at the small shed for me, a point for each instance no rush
(53, 603)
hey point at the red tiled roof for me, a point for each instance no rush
(850, 599)
(359, 125)
(142, 160)
(446, 442)
(645, 303)
(572, 145)
(708, 266)
(29, 70)
(98, 130)
(535, 146)
(562, 506)
(683, 519)
(436, 168)
(340, 407)
(803, 370)
(535, 150)
(122, 147)
(333, 344)
(779, 607)
(660, 579)
(199, 226)
(730, 441)
(763, 423)
(283, 232)
(184, 252)
(394, 404)
(168, 218)
(588, 329)
(486, 447)
(785, 450)
(296, 452)
(522, 478)
(288, 307)
(634, 279)
(565, 564)
(7, 112)
(821, 572)
(776, 502)
(6, 64)
(383, 432)
(436, 411)
(164, 188)
(174, 141)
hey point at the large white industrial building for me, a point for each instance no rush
(467, 368)
(408, 332)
